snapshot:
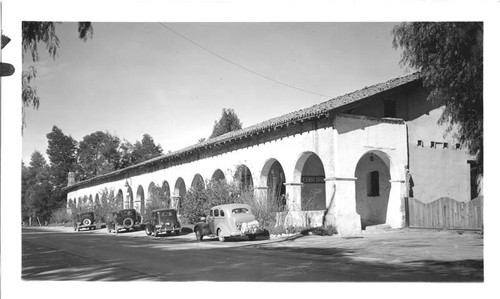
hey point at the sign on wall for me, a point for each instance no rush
(313, 179)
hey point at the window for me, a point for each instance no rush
(372, 182)
(390, 108)
(457, 146)
(221, 213)
(216, 213)
(420, 143)
(240, 210)
(211, 212)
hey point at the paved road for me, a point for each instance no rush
(60, 254)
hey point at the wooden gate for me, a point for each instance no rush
(446, 213)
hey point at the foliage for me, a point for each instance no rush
(141, 151)
(105, 206)
(199, 200)
(158, 200)
(98, 154)
(61, 216)
(34, 33)
(264, 210)
(450, 59)
(62, 155)
(228, 122)
(37, 199)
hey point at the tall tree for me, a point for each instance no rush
(34, 33)
(228, 122)
(140, 151)
(450, 59)
(38, 200)
(98, 154)
(147, 149)
(61, 151)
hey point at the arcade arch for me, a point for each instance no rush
(310, 173)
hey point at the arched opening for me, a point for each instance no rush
(243, 177)
(129, 198)
(139, 200)
(119, 199)
(85, 200)
(179, 193)
(198, 182)
(151, 189)
(97, 199)
(373, 187)
(165, 193)
(274, 176)
(91, 201)
(309, 171)
(218, 176)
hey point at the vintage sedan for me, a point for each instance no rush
(125, 220)
(84, 220)
(226, 221)
(163, 221)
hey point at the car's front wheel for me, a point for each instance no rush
(199, 235)
(220, 235)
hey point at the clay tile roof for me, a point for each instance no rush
(303, 114)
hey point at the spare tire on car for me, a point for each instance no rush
(128, 222)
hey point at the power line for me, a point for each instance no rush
(239, 65)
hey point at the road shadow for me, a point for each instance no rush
(190, 260)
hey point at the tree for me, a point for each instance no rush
(98, 154)
(140, 151)
(61, 151)
(146, 149)
(450, 59)
(37, 193)
(34, 33)
(228, 122)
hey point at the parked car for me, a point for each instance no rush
(163, 221)
(84, 220)
(226, 221)
(125, 220)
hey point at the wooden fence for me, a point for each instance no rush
(446, 213)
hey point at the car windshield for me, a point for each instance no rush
(240, 210)
(167, 213)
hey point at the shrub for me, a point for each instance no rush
(61, 216)
(199, 200)
(265, 211)
(320, 231)
(158, 200)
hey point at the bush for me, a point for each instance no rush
(199, 200)
(320, 231)
(158, 200)
(265, 212)
(61, 216)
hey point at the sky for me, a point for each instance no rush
(135, 78)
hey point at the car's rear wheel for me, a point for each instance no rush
(128, 222)
(220, 235)
(199, 235)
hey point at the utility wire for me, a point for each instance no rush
(239, 65)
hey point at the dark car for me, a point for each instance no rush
(84, 220)
(228, 221)
(125, 220)
(163, 221)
